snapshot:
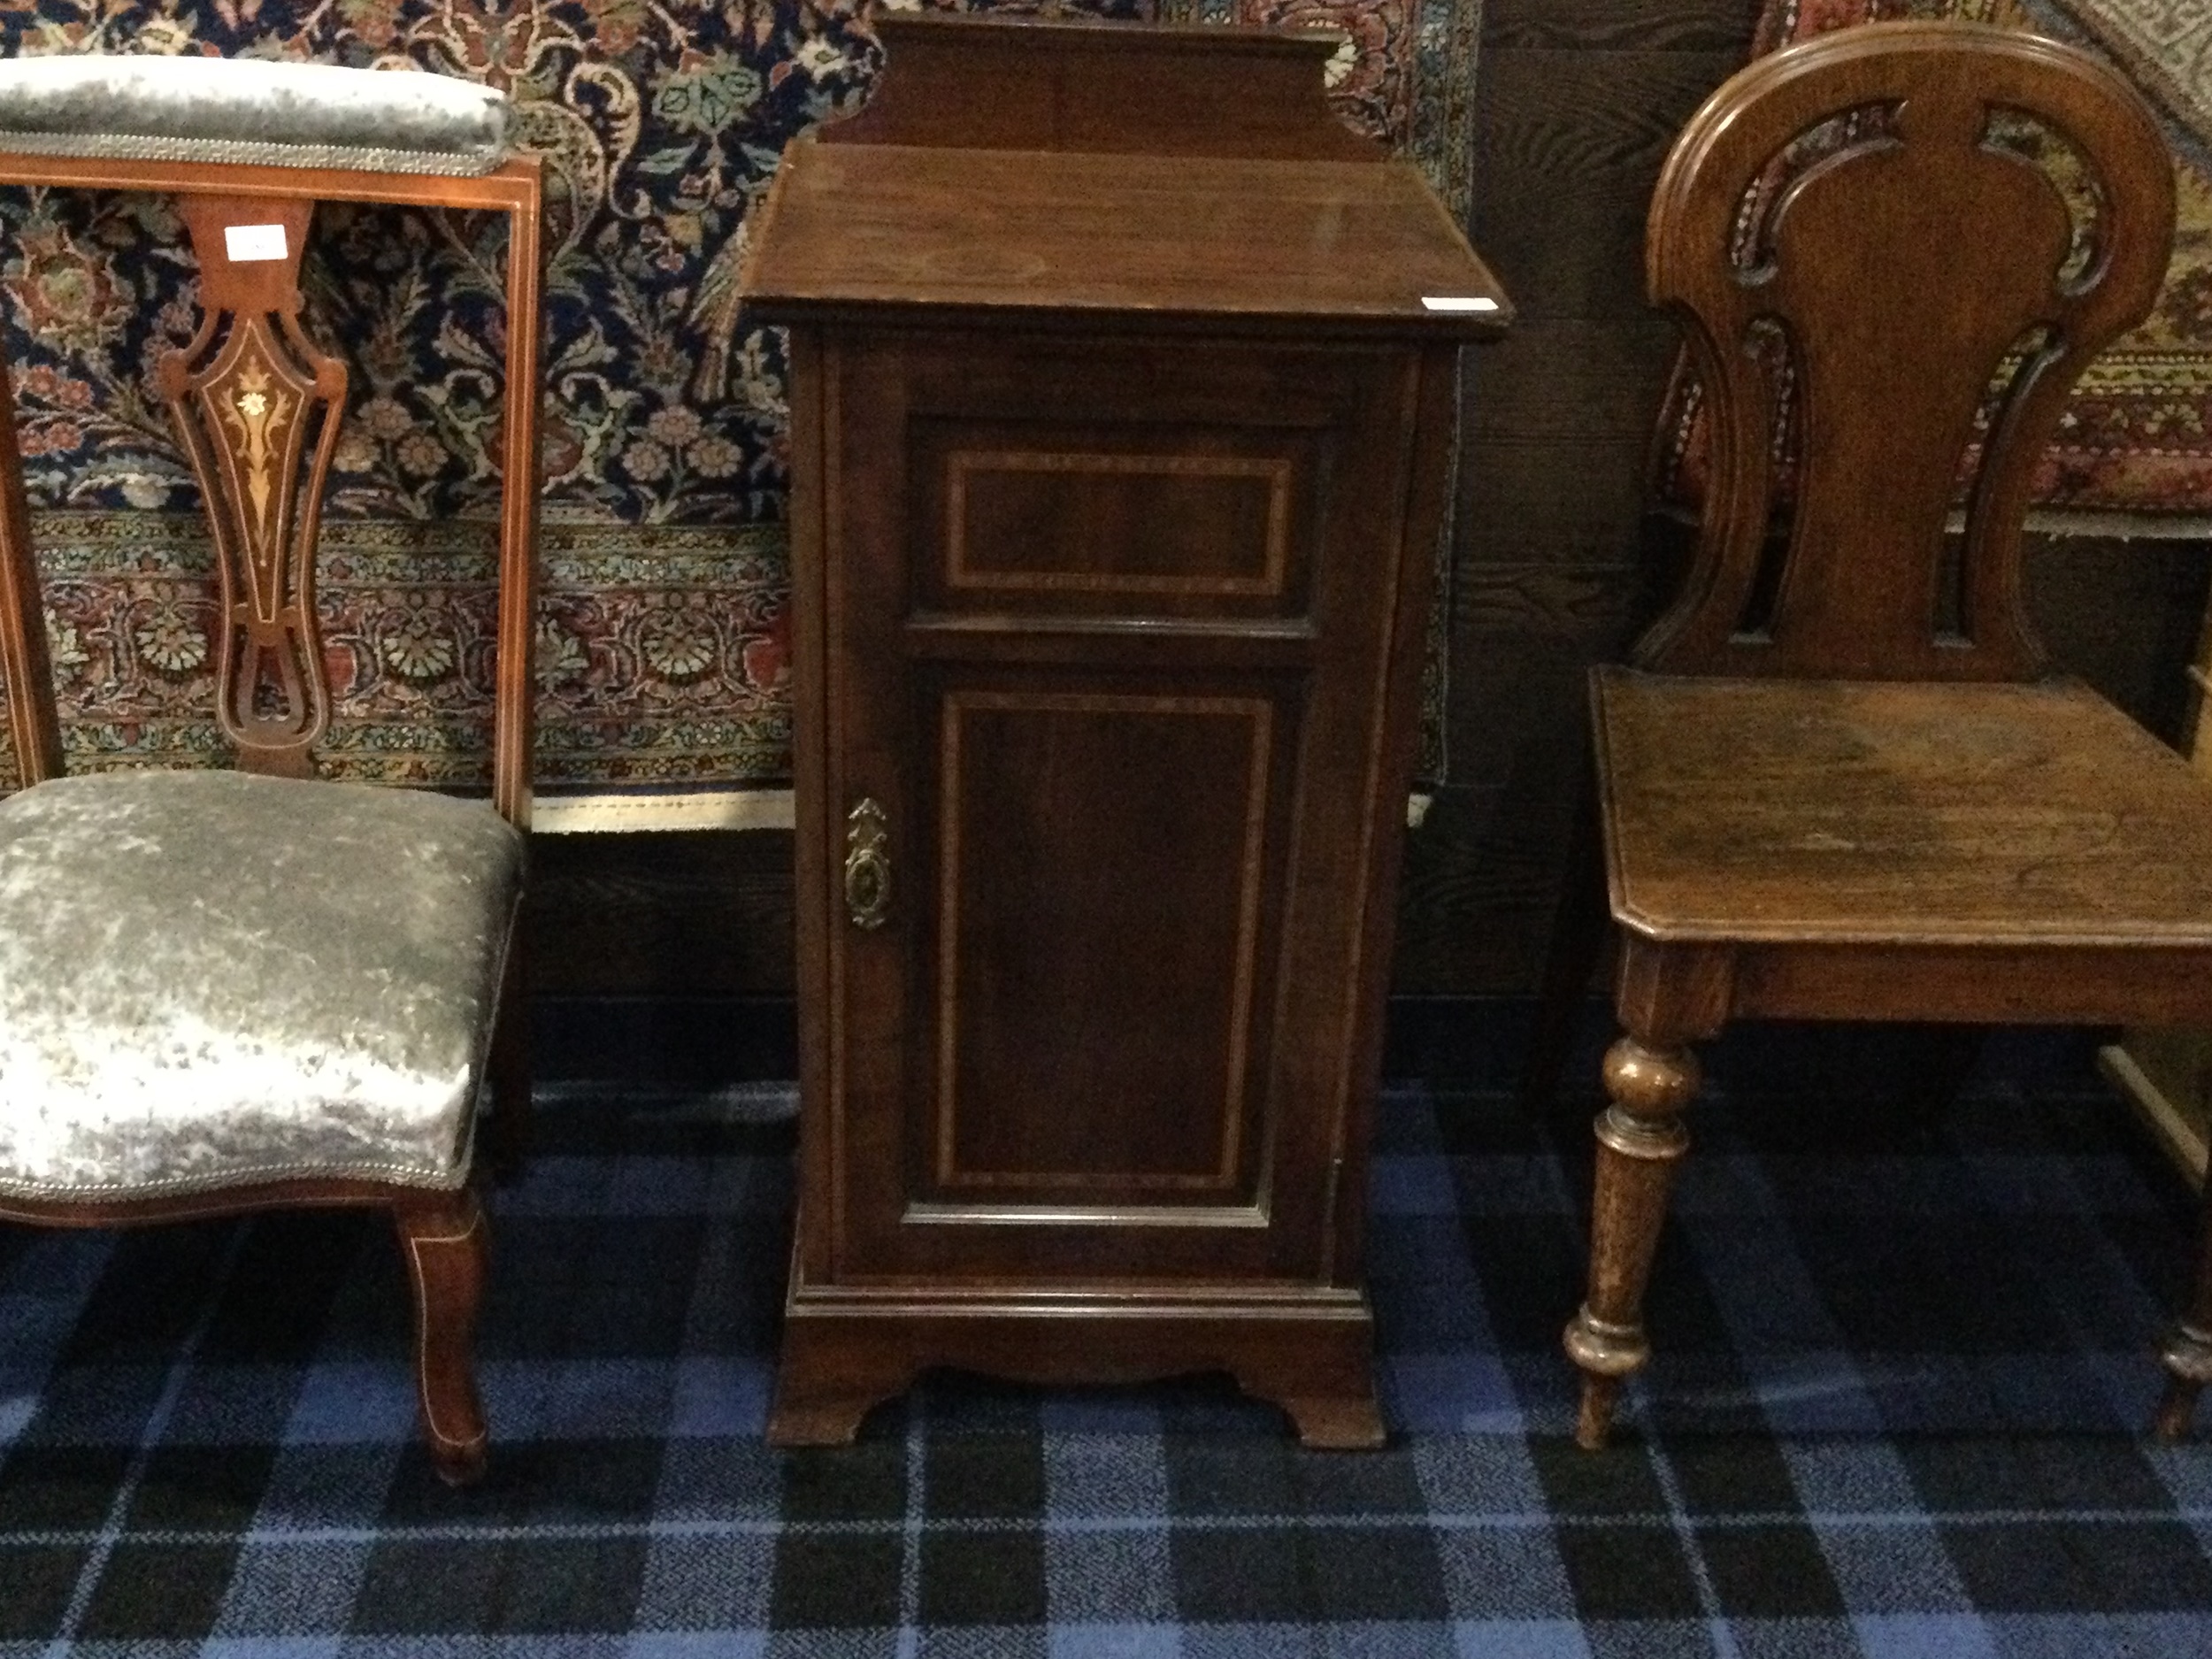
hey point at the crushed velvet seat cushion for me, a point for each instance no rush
(250, 110)
(213, 979)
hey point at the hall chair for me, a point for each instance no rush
(1841, 778)
(231, 990)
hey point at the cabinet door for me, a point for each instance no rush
(1108, 629)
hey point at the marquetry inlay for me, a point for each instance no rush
(249, 397)
(969, 472)
(254, 414)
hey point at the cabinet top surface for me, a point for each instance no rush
(1192, 174)
(1362, 243)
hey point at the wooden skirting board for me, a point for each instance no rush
(715, 809)
(676, 809)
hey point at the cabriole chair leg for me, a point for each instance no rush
(446, 1247)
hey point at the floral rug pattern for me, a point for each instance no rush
(661, 618)
(2135, 438)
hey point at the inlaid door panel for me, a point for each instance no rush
(1083, 1065)
(1114, 728)
(1104, 924)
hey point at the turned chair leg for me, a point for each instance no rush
(444, 1240)
(1640, 1140)
(2188, 1351)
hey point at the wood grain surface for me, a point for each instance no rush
(1835, 812)
(1194, 235)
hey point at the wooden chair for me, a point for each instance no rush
(230, 991)
(1842, 781)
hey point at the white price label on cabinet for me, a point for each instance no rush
(1459, 302)
(247, 242)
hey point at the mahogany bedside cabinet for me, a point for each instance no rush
(1122, 399)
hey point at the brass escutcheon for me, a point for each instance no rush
(867, 865)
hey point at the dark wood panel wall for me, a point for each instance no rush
(1578, 102)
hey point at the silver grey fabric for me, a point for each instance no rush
(251, 110)
(209, 978)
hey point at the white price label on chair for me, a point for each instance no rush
(247, 242)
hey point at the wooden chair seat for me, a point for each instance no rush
(1828, 812)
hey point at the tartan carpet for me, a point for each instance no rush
(1903, 1368)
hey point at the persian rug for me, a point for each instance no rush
(2134, 450)
(1897, 1411)
(660, 640)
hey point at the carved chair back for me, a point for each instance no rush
(1872, 261)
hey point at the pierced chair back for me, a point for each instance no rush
(1807, 232)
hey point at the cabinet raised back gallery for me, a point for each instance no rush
(1123, 380)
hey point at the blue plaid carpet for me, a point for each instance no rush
(1902, 1376)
